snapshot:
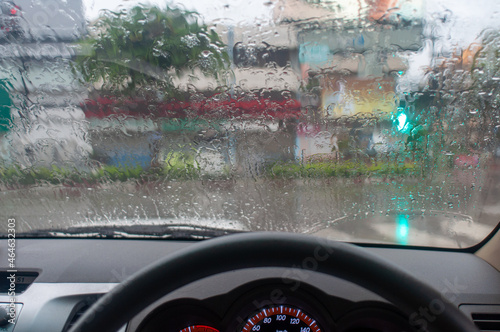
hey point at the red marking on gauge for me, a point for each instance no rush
(199, 328)
(281, 318)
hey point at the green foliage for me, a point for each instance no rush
(114, 173)
(17, 176)
(137, 48)
(181, 165)
(339, 169)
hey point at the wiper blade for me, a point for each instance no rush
(170, 231)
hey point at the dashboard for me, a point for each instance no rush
(272, 305)
(71, 274)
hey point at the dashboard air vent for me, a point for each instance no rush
(78, 311)
(487, 322)
(486, 317)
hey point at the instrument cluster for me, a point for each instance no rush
(271, 306)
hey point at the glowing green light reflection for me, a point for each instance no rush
(402, 229)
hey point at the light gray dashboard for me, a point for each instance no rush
(74, 271)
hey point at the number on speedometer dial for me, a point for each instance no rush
(281, 319)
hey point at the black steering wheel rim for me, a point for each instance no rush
(287, 250)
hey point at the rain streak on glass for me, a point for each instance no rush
(368, 121)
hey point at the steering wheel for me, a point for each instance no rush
(287, 250)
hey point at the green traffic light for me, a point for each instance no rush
(402, 121)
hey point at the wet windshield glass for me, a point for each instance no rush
(365, 121)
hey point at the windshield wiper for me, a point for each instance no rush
(170, 231)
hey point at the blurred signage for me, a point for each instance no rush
(314, 53)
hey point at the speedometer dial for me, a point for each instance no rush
(281, 319)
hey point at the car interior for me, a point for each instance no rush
(249, 166)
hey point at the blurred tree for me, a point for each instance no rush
(485, 73)
(479, 99)
(141, 48)
(465, 91)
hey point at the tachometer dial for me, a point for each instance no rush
(281, 319)
(199, 328)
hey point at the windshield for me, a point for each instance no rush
(365, 121)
